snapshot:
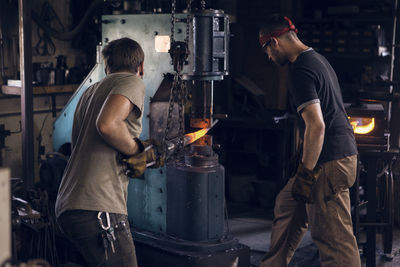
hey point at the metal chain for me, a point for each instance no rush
(181, 104)
(177, 95)
(173, 11)
(176, 76)
(189, 11)
(178, 90)
(182, 85)
(171, 105)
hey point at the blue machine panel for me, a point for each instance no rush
(62, 127)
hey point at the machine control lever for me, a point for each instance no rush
(277, 119)
(220, 116)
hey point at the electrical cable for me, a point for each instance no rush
(65, 36)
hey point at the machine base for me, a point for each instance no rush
(153, 250)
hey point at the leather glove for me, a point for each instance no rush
(304, 181)
(150, 154)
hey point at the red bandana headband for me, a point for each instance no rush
(265, 39)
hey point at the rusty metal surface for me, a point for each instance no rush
(201, 156)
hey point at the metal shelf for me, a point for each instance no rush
(41, 90)
(369, 20)
(51, 90)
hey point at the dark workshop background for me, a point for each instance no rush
(256, 151)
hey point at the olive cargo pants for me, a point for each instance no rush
(329, 219)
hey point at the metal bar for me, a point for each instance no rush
(3, 74)
(41, 90)
(54, 105)
(392, 60)
(173, 144)
(212, 100)
(43, 95)
(25, 54)
(370, 163)
(357, 201)
(40, 111)
(376, 224)
(393, 41)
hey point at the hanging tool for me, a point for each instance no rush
(45, 45)
(108, 234)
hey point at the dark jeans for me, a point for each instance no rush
(83, 229)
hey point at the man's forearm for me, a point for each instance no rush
(116, 134)
(313, 141)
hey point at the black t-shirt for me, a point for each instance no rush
(313, 80)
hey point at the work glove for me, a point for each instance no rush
(304, 181)
(150, 155)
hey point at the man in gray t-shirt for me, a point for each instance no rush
(107, 121)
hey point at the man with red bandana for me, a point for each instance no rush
(317, 197)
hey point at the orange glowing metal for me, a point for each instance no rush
(196, 135)
(362, 125)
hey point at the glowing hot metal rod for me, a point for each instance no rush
(173, 144)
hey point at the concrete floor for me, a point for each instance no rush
(253, 228)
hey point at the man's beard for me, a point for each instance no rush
(280, 60)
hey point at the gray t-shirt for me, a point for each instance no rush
(93, 179)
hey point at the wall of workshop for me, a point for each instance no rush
(247, 58)
(253, 177)
(43, 125)
(74, 57)
(9, 26)
(10, 106)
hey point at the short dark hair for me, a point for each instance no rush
(123, 54)
(274, 22)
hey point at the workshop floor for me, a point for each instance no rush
(253, 228)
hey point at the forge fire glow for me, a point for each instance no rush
(196, 135)
(362, 125)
